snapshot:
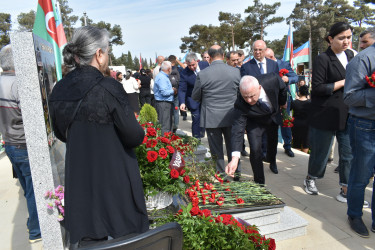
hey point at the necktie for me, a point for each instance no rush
(261, 68)
(263, 106)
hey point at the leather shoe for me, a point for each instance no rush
(264, 159)
(244, 153)
(273, 168)
(358, 227)
(289, 152)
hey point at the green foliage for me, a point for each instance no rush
(5, 25)
(203, 171)
(26, 21)
(216, 232)
(68, 19)
(136, 63)
(148, 114)
(260, 15)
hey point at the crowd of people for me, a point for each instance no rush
(227, 98)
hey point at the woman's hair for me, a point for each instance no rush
(83, 46)
(117, 74)
(337, 28)
(303, 90)
(128, 74)
(299, 82)
(6, 58)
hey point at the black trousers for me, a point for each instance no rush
(145, 97)
(255, 132)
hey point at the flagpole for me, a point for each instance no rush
(310, 56)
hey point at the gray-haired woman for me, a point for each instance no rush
(91, 113)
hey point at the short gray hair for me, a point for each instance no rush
(83, 46)
(247, 82)
(166, 65)
(191, 57)
(6, 58)
(370, 31)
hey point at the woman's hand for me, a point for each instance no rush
(339, 84)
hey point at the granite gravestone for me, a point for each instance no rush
(35, 72)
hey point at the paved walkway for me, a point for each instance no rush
(328, 227)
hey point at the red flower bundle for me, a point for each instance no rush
(287, 119)
(371, 80)
(282, 72)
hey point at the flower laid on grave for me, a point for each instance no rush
(161, 163)
(229, 195)
(283, 72)
(203, 229)
(371, 80)
(287, 119)
(57, 200)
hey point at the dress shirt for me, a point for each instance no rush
(264, 65)
(343, 59)
(163, 90)
(358, 95)
(130, 85)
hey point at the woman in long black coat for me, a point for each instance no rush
(91, 113)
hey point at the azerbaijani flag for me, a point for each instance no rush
(140, 61)
(48, 26)
(301, 54)
(288, 50)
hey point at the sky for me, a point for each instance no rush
(152, 27)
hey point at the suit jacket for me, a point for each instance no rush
(328, 110)
(275, 89)
(216, 89)
(251, 67)
(187, 81)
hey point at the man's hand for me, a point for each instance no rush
(232, 166)
(183, 107)
(285, 78)
(284, 106)
(174, 90)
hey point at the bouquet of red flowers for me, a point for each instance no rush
(161, 163)
(282, 72)
(287, 119)
(371, 80)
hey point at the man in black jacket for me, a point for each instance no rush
(257, 110)
(174, 77)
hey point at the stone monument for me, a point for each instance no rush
(34, 66)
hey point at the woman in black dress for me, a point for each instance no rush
(301, 110)
(91, 114)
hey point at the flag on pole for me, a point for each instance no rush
(48, 26)
(301, 54)
(288, 50)
(140, 61)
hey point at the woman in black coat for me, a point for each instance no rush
(91, 114)
(328, 111)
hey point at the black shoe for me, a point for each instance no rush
(264, 159)
(330, 160)
(358, 227)
(336, 169)
(273, 168)
(244, 153)
(289, 152)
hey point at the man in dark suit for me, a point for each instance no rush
(257, 110)
(187, 82)
(259, 65)
(216, 89)
(289, 78)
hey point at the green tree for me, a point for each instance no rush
(88, 21)
(68, 19)
(277, 46)
(260, 15)
(363, 14)
(230, 21)
(129, 63)
(26, 21)
(5, 26)
(136, 63)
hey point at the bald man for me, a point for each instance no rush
(259, 65)
(156, 71)
(257, 111)
(216, 89)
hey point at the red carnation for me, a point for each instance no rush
(194, 211)
(145, 139)
(174, 173)
(272, 245)
(164, 140)
(282, 72)
(175, 137)
(151, 131)
(240, 201)
(176, 108)
(206, 212)
(170, 149)
(186, 179)
(163, 153)
(152, 156)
